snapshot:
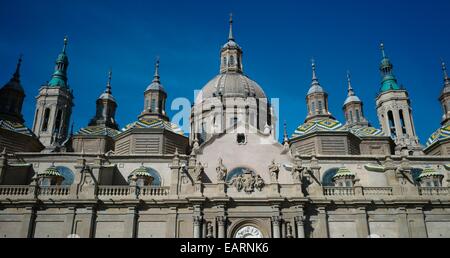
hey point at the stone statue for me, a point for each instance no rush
(209, 230)
(198, 171)
(289, 230)
(297, 173)
(221, 171)
(259, 184)
(274, 169)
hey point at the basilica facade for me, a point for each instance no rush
(231, 177)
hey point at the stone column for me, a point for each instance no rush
(174, 175)
(70, 221)
(362, 226)
(221, 221)
(28, 218)
(322, 227)
(3, 165)
(402, 222)
(130, 223)
(276, 227)
(86, 216)
(299, 220)
(197, 223)
(418, 227)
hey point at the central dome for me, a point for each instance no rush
(230, 85)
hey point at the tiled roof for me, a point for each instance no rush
(154, 123)
(16, 127)
(325, 124)
(98, 130)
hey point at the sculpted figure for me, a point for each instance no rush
(274, 169)
(221, 171)
(198, 171)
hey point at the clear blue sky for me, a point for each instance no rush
(278, 37)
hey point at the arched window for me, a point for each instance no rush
(392, 124)
(327, 179)
(46, 117)
(68, 175)
(153, 107)
(357, 116)
(224, 61)
(231, 61)
(313, 107)
(402, 121)
(415, 173)
(58, 121)
(351, 116)
(320, 107)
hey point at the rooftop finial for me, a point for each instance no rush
(230, 35)
(382, 50)
(313, 64)
(444, 69)
(19, 63)
(108, 85)
(349, 80)
(65, 44)
(156, 76)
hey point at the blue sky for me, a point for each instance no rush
(278, 37)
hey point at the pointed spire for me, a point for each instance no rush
(156, 76)
(19, 64)
(65, 44)
(313, 65)
(382, 50)
(350, 88)
(108, 85)
(230, 34)
(444, 70)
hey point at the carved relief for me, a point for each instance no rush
(198, 172)
(248, 182)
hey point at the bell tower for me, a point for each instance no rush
(54, 106)
(395, 112)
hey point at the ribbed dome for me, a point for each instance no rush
(155, 86)
(107, 96)
(353, 98)
(230, 85)
(315, 89)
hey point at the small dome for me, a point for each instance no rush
(51, 171)
(318, 125)
(231, 44)
(141, 171)
(343, 172)
(441, 134)
(107, 96)
(350, 99)
(154, 123)
(315, 89)
(429, 172)
(155, 86)
(231, 85)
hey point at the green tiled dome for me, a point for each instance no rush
(141, 171)
(51, 171)
(441, 134)
(343, 172)
(324, 125)
(428, 172)
(154, 123)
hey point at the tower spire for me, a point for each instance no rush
(156, 76)
(351, 92)
(108, 85)
(285, 134)
(65, 44)
(444, 70)
(16, 75)
(313, 65)
(230, 34)
(382, 50)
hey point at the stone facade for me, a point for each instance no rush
(231, 177)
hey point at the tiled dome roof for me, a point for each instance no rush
(98, 130)
(428, 171)
(141, 171)
(16, 127)
(366, 131)
(51, 171)
(324, 125)
(154, 123)
(441, 134)
(343, 172)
